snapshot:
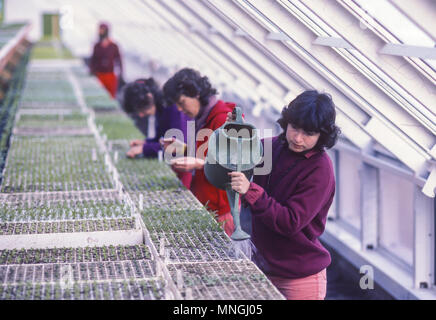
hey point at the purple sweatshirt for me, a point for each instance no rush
(290, 214)
(166, 118)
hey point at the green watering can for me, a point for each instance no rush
(235, 146)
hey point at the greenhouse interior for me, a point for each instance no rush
(83, 219)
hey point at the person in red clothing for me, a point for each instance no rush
(195, 96)
(104, 57)
(289, 205)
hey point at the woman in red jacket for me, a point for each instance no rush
(195, 96)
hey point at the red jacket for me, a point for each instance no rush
(205, 192)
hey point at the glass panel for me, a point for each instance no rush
(396, 22)
(349, 189)
(396, 216)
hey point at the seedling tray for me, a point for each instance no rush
(51, 206)
(146, 174)
(76, 120)
(48, 105)
(195, 246)
(132, 234)
(172, 199)
(149, 289)
(75, 255)
(108, 272)
(52, 132)
(117, 126)
(54, 164)
(173, 221)
(230, 280)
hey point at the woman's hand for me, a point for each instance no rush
(187, 164)
(136, 143)
(135, 151)
(231, 117)
(172, 145)
(239, 182)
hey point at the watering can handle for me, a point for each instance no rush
(237, 114)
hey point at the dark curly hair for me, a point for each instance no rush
(141, 94)
(312, 111)
(190, 83)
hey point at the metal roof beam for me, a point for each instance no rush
(408, 51)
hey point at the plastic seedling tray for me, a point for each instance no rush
(146, 174)
(195, 246)
(108, 272)
(74, 124)
(75, 255)
(54, 164)
(149, 289)
(63, 219)
(82, 238)
(173, 199)
(174, 221)
(61, 131)
(230, 280)
(117, 126)
(53, 206)
(77, 264)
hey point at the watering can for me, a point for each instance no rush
(235, 146)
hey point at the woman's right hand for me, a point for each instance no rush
(186, 164)
(136, 142)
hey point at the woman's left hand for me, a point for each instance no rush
(239, 182)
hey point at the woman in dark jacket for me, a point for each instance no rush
(289, 206)
(144, 98)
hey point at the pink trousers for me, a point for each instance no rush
(313, 287)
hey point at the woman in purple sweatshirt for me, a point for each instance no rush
(289, 206)
(144, 98)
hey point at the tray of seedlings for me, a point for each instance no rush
(117, 126)
(145, 289)
(106, 272)
(223, 280)
(115, 262)
(193, 246)
(51, 125)
(43, 164)
(144, 173)
(172, 199)
(95, 96)
(77, 219)
(48, 89)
